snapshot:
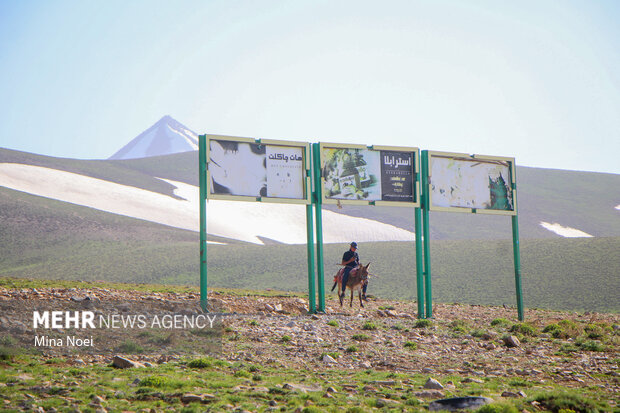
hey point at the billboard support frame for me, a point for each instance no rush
(202, 170)
(205, 188)
(427, 207)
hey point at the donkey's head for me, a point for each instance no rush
(363, 272)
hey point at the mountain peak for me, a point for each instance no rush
(165, 137)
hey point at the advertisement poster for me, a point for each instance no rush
(397, 176)
(284, 172)
(471, 183)
(257, 170)
(352, 174)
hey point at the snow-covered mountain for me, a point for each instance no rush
(165, 137)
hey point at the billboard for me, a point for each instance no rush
(357, 174)
(257, 170)
(471, 183)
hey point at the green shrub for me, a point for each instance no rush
(154, 381)
(242, 373)
(253, 323)
(423, 323)
(200, 363)
(591, 345)
(369, 325)
(557, 401)
(556, 331)
(500, 322)
(332, 323)
(351, 349)
(411, 345)
(360, 337)
(285, 339)
(130, 347)
(525, 329)
(594, 332)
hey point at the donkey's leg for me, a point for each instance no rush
(340, 294)
(351, 305)
(359, 294)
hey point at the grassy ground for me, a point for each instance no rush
(274, 361)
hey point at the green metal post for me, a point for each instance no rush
(310, 245)
(202, 171)
(517, 262)
(419, 262)
(426, 231)
(320, 271)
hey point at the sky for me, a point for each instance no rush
(538, 81)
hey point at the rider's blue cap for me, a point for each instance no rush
(354, 244)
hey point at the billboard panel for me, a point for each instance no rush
(357, 174)
(257, 170)
(471, 183)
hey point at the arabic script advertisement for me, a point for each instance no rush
(397, 176)
(256, 170)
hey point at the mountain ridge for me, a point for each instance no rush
(165, 137)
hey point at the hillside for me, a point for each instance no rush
(48, 239)
(582, 200)
(379, 358)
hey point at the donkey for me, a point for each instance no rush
(357, 278)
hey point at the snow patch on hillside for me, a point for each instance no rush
(563, 231)
(245, 221)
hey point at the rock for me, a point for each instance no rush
(433, 384)
(124, 363)
(315, 317)
(190, 397)
(490, 346)
(427, 370)
(470, 380)
(512, 341)
(330, 389)
(278, 308)
(387, 383)
(384, 402)
(302, 388)
(291, 324)
(97, 399)
(365, 365)
(489, 335)
(511, 394)
(458, 403)
(329, 359)
(269, 307)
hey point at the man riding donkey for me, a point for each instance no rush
(351, 262)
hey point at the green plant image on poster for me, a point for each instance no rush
(475, 183)
(351, 174)
(384, 174)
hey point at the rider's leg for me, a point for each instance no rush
(345, 278)
(364, 290)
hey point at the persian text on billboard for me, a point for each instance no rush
(249, 169)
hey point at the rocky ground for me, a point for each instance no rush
(462, 346)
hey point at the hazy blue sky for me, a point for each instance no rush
(537, 80)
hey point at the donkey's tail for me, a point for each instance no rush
(335, 284)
